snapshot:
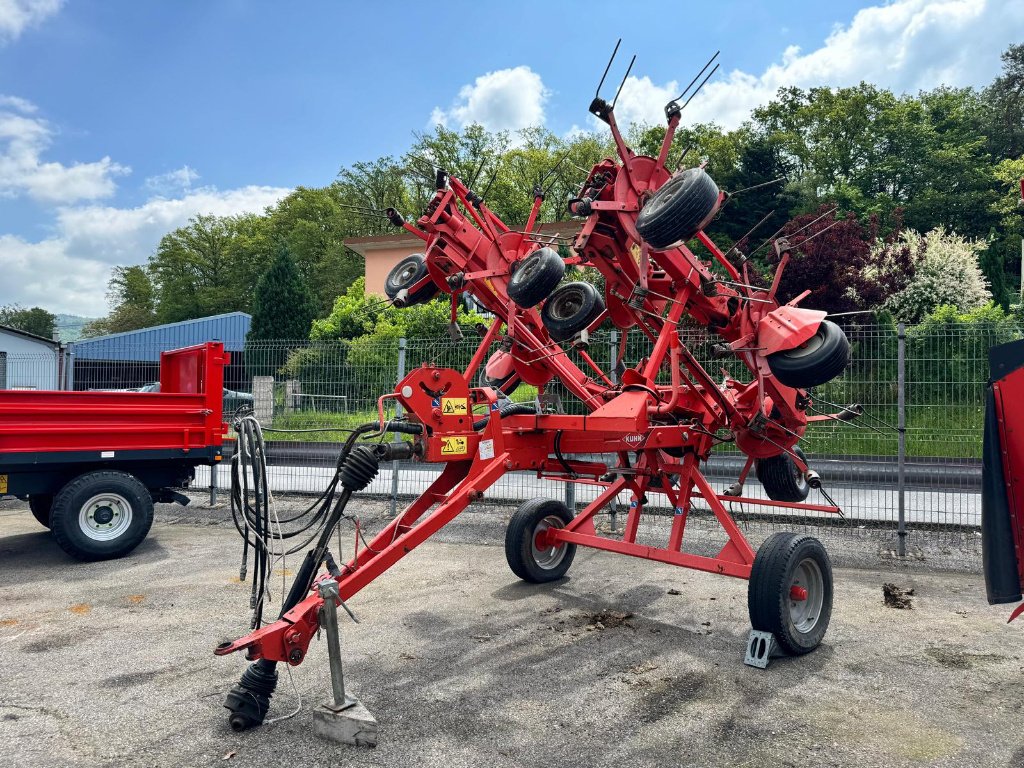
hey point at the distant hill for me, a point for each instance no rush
(70, 326)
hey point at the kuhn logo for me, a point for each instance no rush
(634, 439)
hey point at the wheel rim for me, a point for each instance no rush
(105, 516)
(809, 347)
(547, 558)
(806, 596)
(527, 269)
(405, 277)
(798, 475)
(567, 304)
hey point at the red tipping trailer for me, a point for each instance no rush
(91, 464)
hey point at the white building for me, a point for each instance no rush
(28, 361)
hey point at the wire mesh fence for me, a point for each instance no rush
(929, 379)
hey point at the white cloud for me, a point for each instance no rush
(18, 15)
(172, 182)
(505, 100)
(23, 139)
(68, 272)
(906, 46)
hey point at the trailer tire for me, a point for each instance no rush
(571, 309)
(405, 274)
(526, 560)
(784, 563)
(817, 361)
(41, 504)
(101, 515)
(680, 208)
(535, 277)
(781, 478)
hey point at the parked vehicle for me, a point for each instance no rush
(91, 464)
(233, 400)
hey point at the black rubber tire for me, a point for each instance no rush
(780, 477)
(519, 539)
(571, 309)
(506, 386)
(69, 503)
(536, 277)
(768, 594)
(819, 360)
(678, 210)
(406, 274)
(41, 504)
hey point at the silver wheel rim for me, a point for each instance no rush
(105, 516)
(806, 612)
(567, 304)
(799, 475)
(407, 274)
(550, 557)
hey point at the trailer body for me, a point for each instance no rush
(50, 439)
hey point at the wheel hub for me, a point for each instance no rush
(806, 596)
(105, 516)
(546, 552)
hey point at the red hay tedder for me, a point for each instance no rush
(643, 429)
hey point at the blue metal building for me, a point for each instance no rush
(146, 344)
(132, 359)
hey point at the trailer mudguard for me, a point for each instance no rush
(1002, 516)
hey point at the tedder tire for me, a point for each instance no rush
(781, 478)
(524, 558)
(817, 361)
(790, 591)
(679, 210)
(101, 515)
(536, 277)
(405, 275)
(571, 309)
(41, 504)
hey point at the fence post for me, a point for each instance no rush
(901, 428)
(613, 352)
(396, 438)
(213, 484)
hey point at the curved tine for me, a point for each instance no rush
(597, 93)
(553, 168)
(687, 88)
(628, 70)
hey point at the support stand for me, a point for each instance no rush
(762, 647)
(344, 720)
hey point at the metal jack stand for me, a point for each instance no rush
(345, 720)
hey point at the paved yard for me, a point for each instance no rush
(111, 663)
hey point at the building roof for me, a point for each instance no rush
(27, 335)
(146, 344)
(403, 238)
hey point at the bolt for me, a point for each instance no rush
(295, 656)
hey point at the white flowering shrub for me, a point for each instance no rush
(946, 272)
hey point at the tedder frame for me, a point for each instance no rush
(644, 429)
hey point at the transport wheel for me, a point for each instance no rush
(571, 309)
(782, 478)
(40, 504)
(790, 591)
(536, 277)
(101, 515)
(527, 556)
(500, 373)
(406, 274)
(817, 361)
(678, 210)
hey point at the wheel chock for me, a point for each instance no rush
(762, 647)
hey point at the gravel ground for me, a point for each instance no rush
(111, 663)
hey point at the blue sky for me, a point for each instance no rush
(120, 119)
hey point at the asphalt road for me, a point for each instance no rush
(111, 663)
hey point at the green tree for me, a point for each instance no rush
(208, 267)
(34, 320)
(283, 309)
(132, 301)
(1004, 99)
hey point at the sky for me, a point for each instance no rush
(120, 120)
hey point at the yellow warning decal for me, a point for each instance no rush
(3, 483)
(454, 406)
(451, 446)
